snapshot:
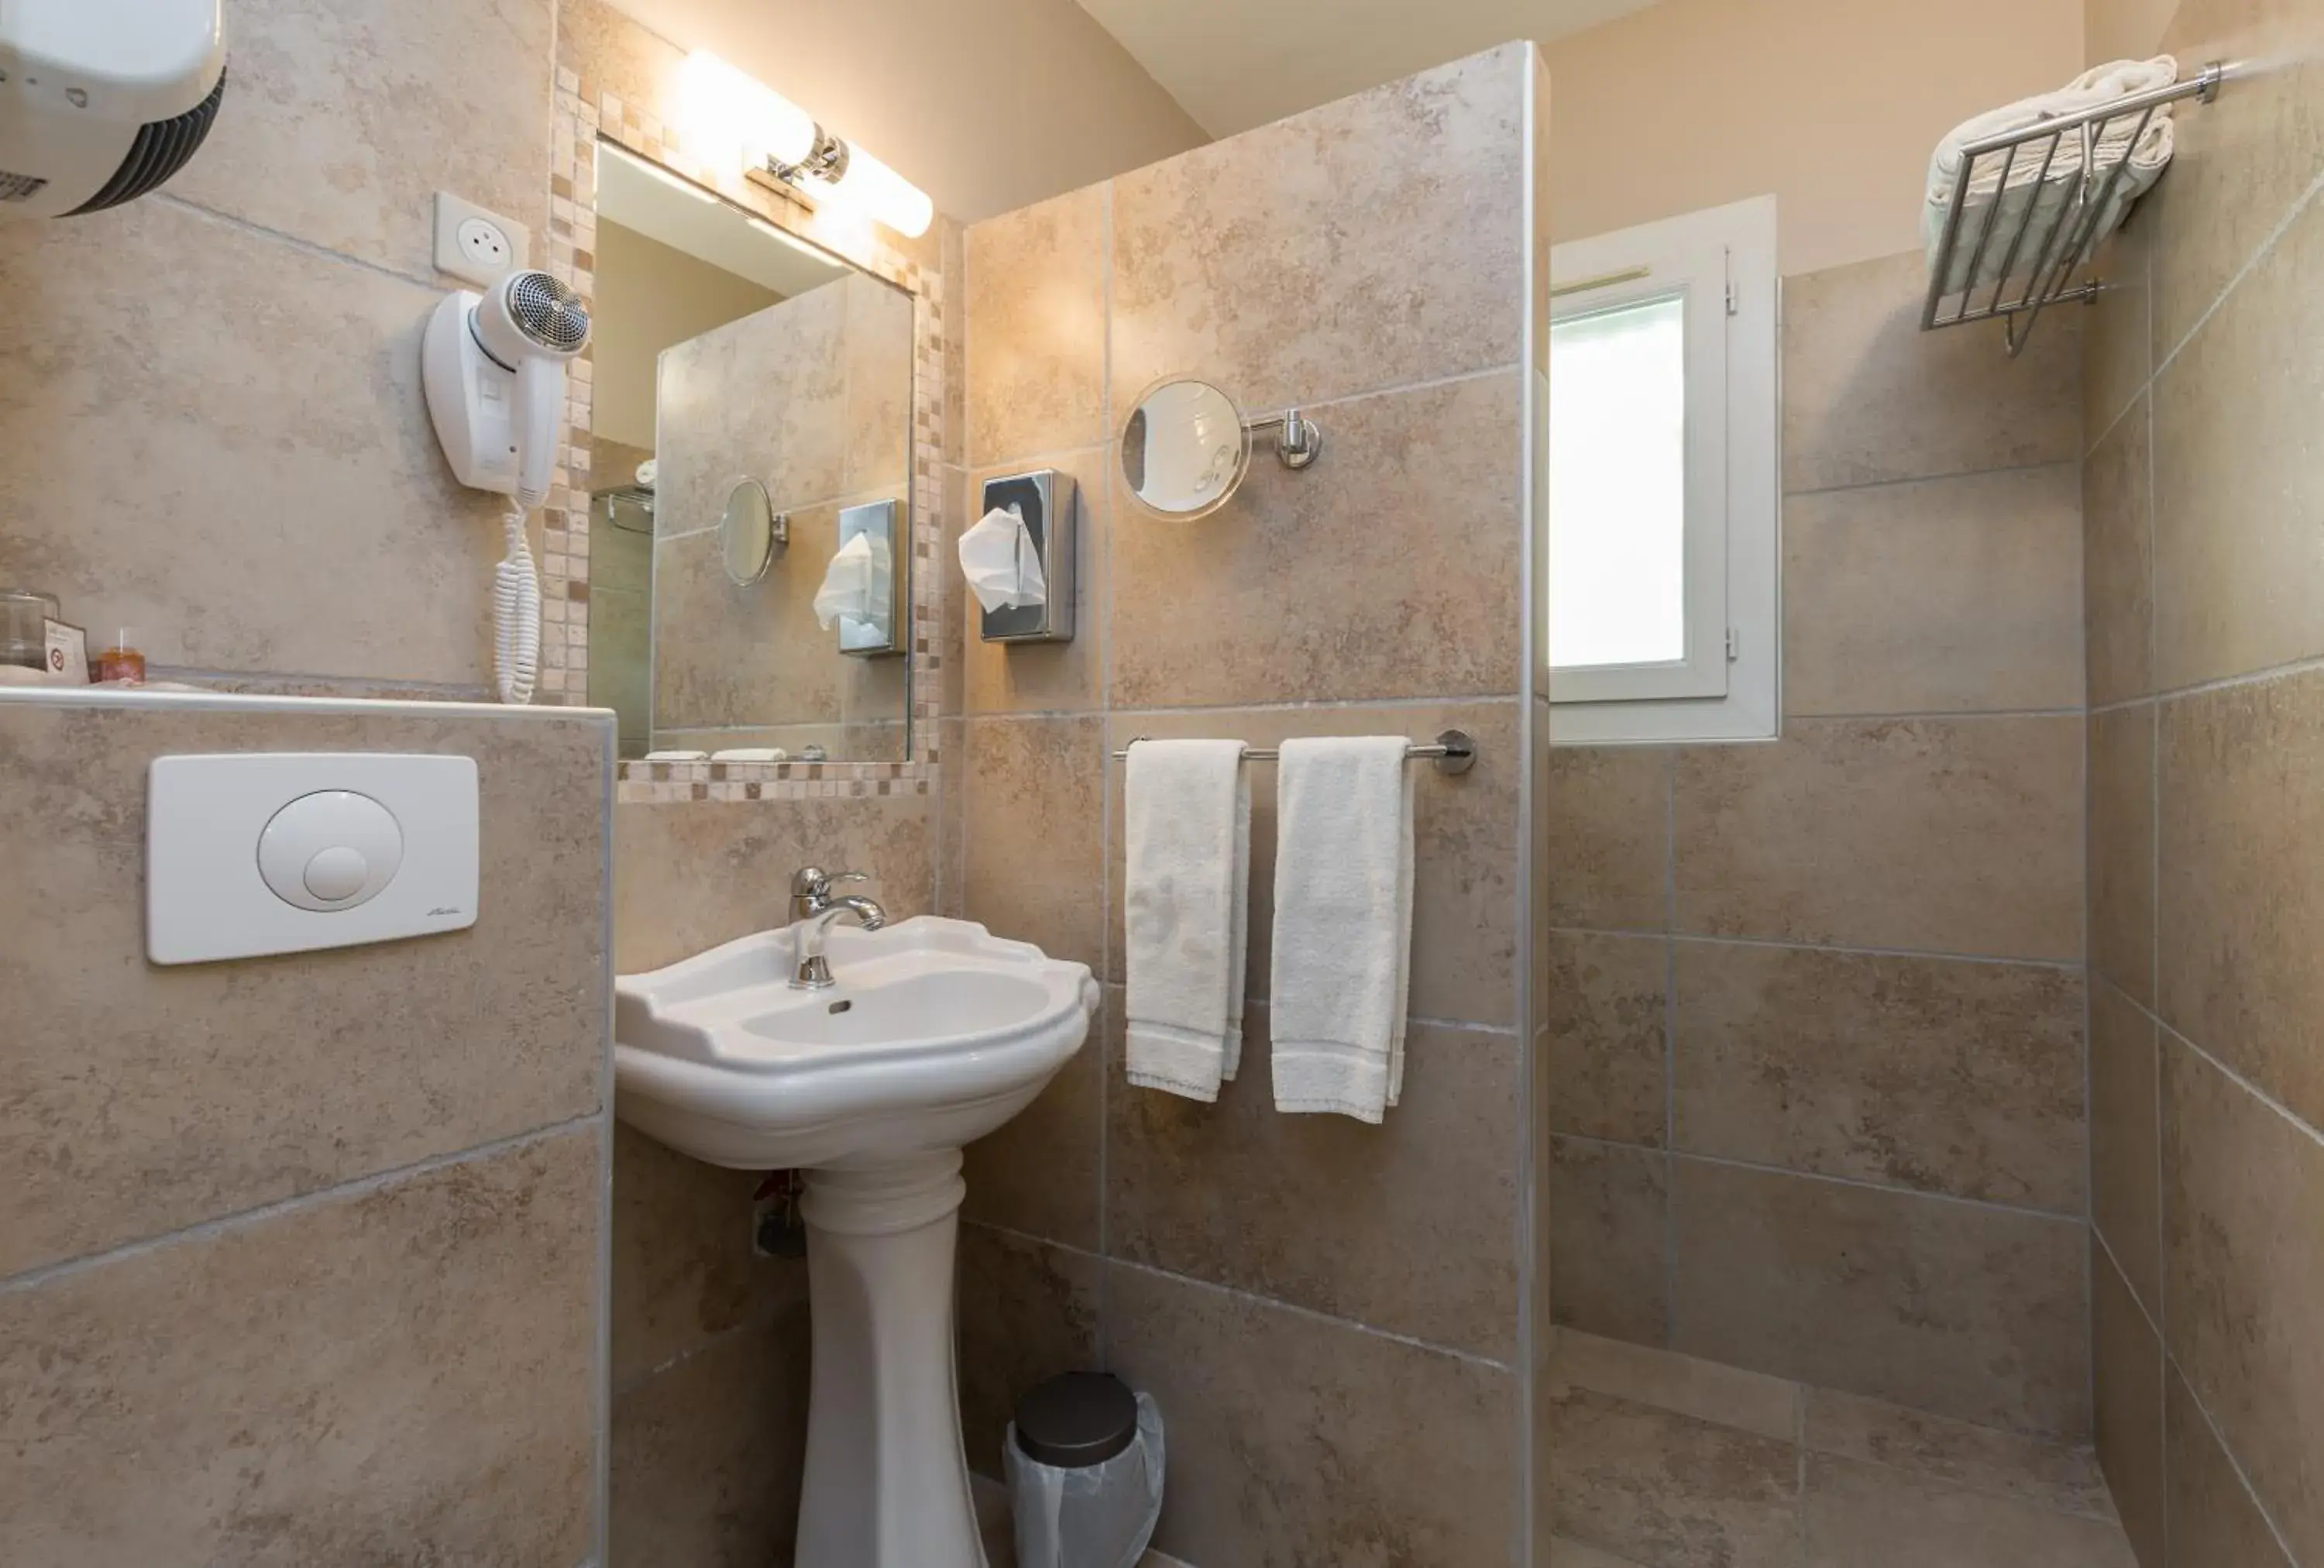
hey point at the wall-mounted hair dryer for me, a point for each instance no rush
(493, 369)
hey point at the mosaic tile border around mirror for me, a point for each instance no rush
(582, 116)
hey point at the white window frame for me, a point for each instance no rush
(1729, 684)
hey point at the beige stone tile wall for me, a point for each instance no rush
(239, 465)
(1327, 1312)
(2206, 745)
(298, 1247)
(1815, 1009)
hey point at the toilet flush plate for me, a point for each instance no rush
(255, 852)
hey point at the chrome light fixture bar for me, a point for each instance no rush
(781, 146)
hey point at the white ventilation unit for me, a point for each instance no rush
(102, 100)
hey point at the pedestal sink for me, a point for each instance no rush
(934, 1033)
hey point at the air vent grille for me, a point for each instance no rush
(159, 151)
(19, 187)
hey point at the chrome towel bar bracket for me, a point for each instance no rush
(1454, 753)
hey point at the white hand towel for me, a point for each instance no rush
(1187, 826)
(1342, 925)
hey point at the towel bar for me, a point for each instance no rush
(1453, 754)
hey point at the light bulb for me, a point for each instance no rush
(871, 188)
(727, 109)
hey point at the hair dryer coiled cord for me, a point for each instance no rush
(516, 616)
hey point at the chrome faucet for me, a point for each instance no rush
(813, 910)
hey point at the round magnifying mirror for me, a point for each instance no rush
(1184, 449)
(746, 533)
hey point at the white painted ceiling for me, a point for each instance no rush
(1232, 64)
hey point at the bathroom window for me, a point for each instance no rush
(1662, 559)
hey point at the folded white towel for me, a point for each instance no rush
(751, 755)
(2047, 197)
(1342, 925)
(678, 756)
(1185, 910)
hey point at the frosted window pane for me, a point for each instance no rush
(1618, 487)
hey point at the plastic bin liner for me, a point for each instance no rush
(1098, 1517)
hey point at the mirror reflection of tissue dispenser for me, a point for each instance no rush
(863, 590)
(1044, 500)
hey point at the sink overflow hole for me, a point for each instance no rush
(840, 1006)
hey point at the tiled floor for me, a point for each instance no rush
(1666, 1462)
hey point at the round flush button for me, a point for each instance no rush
(337, 875)
(332, 850)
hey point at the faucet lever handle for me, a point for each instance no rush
(811, 885)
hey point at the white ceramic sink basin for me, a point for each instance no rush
(933, 1034)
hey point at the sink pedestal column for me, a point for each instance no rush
(887, 1482)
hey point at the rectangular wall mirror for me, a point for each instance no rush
(748, 389)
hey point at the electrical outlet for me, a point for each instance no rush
(474, 245)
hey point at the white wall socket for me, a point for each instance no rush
(474, 245)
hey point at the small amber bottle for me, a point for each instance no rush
(122, 662)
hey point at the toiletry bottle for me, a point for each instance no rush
(121, 663)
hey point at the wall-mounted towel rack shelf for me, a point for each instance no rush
(1454, 753)
(2039, 243)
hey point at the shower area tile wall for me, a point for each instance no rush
(2206, 742)
(1327, 1312)
(1815, 1006)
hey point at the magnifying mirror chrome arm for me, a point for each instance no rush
(1297, 441)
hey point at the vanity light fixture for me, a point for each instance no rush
(779, 145)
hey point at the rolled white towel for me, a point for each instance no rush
(2046, 195)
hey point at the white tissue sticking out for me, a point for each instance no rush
(1002, 568)
(856, 586)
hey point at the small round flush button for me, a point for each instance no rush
(337, 875)
(332, 850)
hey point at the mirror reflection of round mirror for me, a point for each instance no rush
(746, 533)
(1185, 449)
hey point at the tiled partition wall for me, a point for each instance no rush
(245, 473)
(1327, 1312)
(710, 1340)
(1817, 1005)
(2205, 617)
(301, 1258)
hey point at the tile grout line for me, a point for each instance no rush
(2219, 1436)
(1934, 955)
(1315, 1315)
(2299, 1122)
(2251, 263)
(2298, 1125)
(1728, 1162)
(1948, 476)
(1104, 708)
(243, 1219)
(1670, 1044)
(1924, 717)
(708, 1342)
(2272, 673)
(309, 247)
